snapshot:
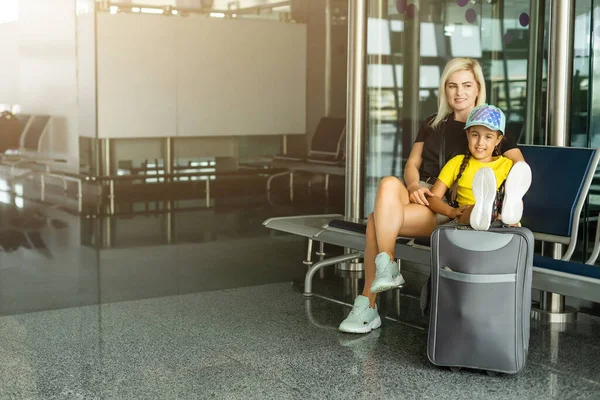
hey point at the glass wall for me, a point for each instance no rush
(585, 106)
(581, 74)
(409, 44)
(593, 39)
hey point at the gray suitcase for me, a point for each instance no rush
(480, 298)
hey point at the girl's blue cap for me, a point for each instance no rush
(487, 115)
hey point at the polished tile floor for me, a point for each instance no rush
(206, 304)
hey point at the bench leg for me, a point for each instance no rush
(321, 252)
(291, 184)
(326, 187)
(552, 306)
(308, 260)
(42, 188)
(553, 309)
(325, 263)
(275, 176)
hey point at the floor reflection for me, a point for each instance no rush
(51, 257)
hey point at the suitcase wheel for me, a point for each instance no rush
(492, 373)
(455, 369)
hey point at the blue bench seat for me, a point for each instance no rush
(568, 267)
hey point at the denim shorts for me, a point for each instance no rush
(441, 219)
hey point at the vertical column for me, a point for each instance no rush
(355, 109)
(534, 69)
(498, 13)
(327, 58)
(411, 52)
(313, 11)
(355, 117)
(560, 73)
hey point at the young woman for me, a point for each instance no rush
(401, 206)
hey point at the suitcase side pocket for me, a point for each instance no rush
(475, 321)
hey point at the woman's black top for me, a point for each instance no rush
(454, 144)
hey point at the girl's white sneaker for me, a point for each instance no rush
(484, 190)
(516, 185)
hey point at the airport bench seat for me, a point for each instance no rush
(552, 211)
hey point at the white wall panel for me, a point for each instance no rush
(136, 75)
(9, 66)
(240, 77)
(198, 76)
(47, 69)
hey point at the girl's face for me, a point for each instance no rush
(462, 91)
(482, 142)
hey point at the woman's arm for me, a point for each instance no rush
(437, 205)
(514, 155)
(411, 169)
(417, 194)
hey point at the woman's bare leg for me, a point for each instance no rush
(371, 251)
(394, 215)
(388, 213)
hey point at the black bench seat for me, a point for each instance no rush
(362, 228)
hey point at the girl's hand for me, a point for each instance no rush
(459, 212)
(418, 195)
(465, 216)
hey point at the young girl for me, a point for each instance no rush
(474, 178)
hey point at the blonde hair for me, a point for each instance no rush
(458, 64)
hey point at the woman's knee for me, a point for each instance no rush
(390, 186)
(390, 183)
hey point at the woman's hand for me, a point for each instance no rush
(418, 194)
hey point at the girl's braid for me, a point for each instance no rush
(454, 188)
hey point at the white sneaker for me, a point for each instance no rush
(362, 318)
(484, 190)
(387, 274)
(516, 185)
